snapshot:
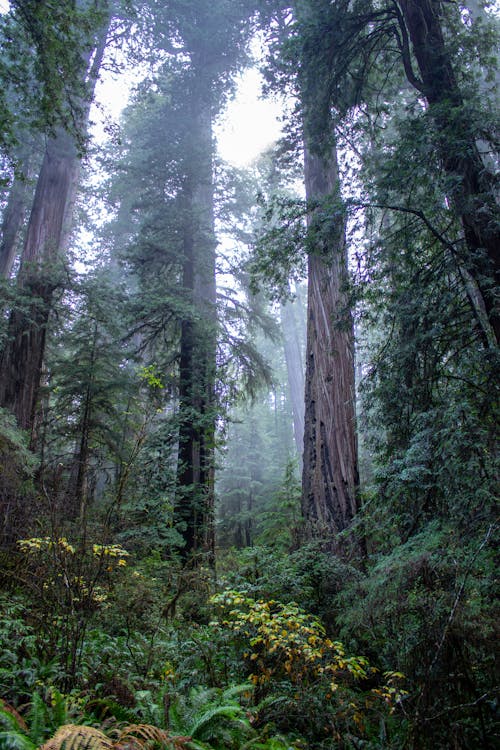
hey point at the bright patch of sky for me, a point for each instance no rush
(248, 126)
(250, 123)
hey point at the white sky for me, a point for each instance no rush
(249, 125)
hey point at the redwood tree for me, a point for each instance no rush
(330, 473)
(472, 186)
(42, 258)
(330, 467)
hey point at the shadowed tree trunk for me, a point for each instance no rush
(472, 186)
(194, 508)
(21, 361)
(295, 370)
(13, 217)
(41, 265)
(330, 474)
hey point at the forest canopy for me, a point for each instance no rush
(248, 414)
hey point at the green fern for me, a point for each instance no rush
(37, 719)
(212, 718)
(209, 722)
(14, 733)
(12, 740)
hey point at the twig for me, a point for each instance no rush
(458, 597)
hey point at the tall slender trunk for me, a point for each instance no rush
(472, 186)
(195, 476)
(21, 360)
(295, 370)
(330, 474)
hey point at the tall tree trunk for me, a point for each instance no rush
(330, 474)
(194, 507)
(41, 261)
(14, 214)
(472, 186)
(295, 370)
(77, 494)
(21, 361)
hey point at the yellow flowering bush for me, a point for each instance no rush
(282, 645)
(63, 568)
(72, 582)
(286, 642)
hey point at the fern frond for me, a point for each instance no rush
(242, 688)
(37, 718)
(231, 712)
(78, 737)
(15, 741)
(139, 736)
(107, 709)
(6, 708)
(11, 719)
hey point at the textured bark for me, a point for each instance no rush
(13, 219)
(21, 361)
(194, 507)
(472, 187)
(330, 474)
(46, 237)
(295, 370)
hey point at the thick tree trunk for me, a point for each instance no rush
(472, 186)
(295, 370)
(13, 218)
(330, 474)
(194, 508)
(40, 273)
(21, 360)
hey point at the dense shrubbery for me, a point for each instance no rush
(243, 672)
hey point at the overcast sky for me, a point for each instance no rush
(248, 126)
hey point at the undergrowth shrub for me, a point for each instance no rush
(67, 585)
(304, 682)
(17, 492)
(428, 609)
(309, 576)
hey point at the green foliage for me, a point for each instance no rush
(13, 732)
(17, 468)
(71, 583)
(257, 484)
(213, 718)
(291, 661)
(427, 609)
(24, 661)
(60, 36)
(276, 670)
(280, 250)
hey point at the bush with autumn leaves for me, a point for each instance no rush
(304, 681)
(68, 584)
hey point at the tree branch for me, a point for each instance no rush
(404, 47)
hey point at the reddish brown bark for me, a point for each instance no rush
(330, 474)
(40, 273)
(21, 360)
(12, 221)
